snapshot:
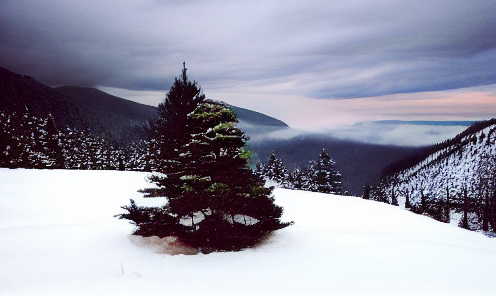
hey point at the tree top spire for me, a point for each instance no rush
(184, 72)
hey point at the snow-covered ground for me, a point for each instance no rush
(58, 236)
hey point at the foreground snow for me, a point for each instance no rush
(58, 237)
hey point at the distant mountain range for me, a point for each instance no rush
(119, 119)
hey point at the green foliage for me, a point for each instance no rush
(206, 178)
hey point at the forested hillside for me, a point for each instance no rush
(18, 93)
(455, 182)
(122, 120)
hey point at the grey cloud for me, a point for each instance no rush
(323, 49)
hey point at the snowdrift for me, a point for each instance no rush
(59, 237)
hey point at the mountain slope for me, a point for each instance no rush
(453, 183)
(119, 118)
(18, 92)
(54, 243)
(256, 118)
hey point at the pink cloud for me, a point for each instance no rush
(306, 113)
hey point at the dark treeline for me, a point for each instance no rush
(28, 141)
(319, 175)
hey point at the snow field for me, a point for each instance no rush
(59, 237)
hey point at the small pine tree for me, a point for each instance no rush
(394, 199)
(366, 191)
(259, 170)
(325, 178)
(301, 179)
(53, 144)
(276, 171)
(407, 200)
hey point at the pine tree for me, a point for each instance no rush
(215, 201)
(366, 191)
(169, 132)
(237, 210)
(172, 129)
(302, 179)
(53, 144)
(276, 171)
(325, 178)
(407, 200)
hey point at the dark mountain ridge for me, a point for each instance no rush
(119, 120)
(18, 92)
(122, 120)
(257, 118)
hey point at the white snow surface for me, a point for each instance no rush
(58, 236)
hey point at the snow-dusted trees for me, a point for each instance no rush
(276, 171)
(485, 188)
(454, 184)
(324, 177)
(215, 201)
(319, 176)
(27, 141)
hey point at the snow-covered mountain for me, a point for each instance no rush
(59, 237)
(453, 181)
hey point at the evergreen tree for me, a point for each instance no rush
(5, 139)
(215, 201)
(28, 141)
(301, 179)
(276, 171)
(171, 129)
(407, 200)
(169, 132)
(236, 208)
(259, 169)
(325, 178)
(366, 191)
(53, 146)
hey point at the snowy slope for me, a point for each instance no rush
(449, 170)
(456, 167)
(58, 237)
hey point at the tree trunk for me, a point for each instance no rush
(485, 213)
(465, 209)
(448, 206)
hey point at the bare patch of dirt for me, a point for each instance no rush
(169, 245)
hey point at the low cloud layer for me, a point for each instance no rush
(381, 133)
(315, 49)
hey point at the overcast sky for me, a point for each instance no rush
(311, 63)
